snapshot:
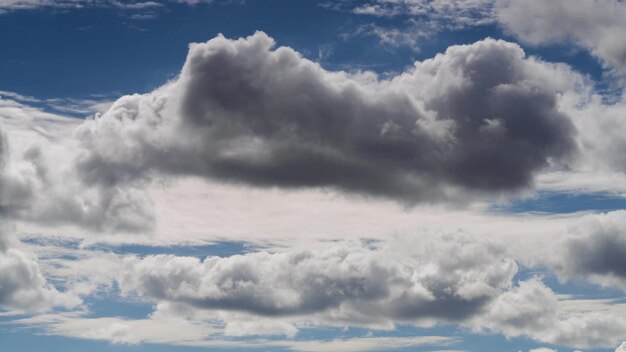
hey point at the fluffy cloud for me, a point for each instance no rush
(478, 119)
(597, 25)
(22, 284)
(449, 280)
(596, 251)
(531, 309)
(38, 181)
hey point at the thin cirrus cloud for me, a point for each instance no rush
(12, 5)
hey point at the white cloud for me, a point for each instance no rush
(369, 343)
(122, 330)
(12, 5)
(446, 280)
(22, 284)
(444, 13)
(531, 309)
(596, 25)
(38, 181)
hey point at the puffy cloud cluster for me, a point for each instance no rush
(478, 119)
(39, 183)
(531, 309)
(453, 279)
(596, 250)
(596, 25)
(447, 280)
(22, 284)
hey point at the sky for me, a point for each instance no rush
(313, 175)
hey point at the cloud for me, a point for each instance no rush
(597, 25)
(12, 5)
(38, 181)
(350, 282)
(596, 250)
(122, 331)
(22, 284)
(369, 343)
(444, 13)
(450, 279)
(464, 123)
(531, 309)
(201, 334)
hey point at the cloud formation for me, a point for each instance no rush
(596, 25)
(531, 309)
(449, 279)
(478, 119)
(22, 284)
(596, 251)
(351, 282)
(38, 181)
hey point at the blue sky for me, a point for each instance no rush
(425, 175)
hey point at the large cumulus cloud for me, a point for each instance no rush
(477, 119)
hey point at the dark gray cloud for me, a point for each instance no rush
(475, 120)
(597, 251)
